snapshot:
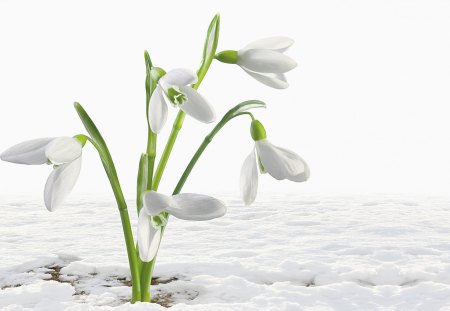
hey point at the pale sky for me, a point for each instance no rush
(367, 107)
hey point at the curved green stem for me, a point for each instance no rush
(124, 217)
(206, 141)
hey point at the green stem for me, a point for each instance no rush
(206, 141)
(177, 125)
(151, 151)
(208, 56)
(125, 219)
(146, 267)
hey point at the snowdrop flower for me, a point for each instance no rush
(63, 152)
(280, 163)
(174, 86)
(263, 60)
(187, 206)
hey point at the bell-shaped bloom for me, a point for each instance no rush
(187, 206)
(63, 152)
(174, 87)
(280, 163)
(263, 60)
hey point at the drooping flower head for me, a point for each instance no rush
(280, 163)
(263, 60)
(175, 87)
(187, 206)
(63, 152)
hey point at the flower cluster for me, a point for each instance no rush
(264, 60)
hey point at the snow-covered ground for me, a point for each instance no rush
(283, 253)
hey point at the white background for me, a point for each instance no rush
(367, 106)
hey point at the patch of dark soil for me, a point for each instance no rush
(10, 286)
(157, 280)
(164, 299)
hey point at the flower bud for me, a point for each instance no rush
(229, 56)
(257, 131)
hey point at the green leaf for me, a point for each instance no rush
(244, 107)
(142, 180)
(100, 144)
(148, 68)
(209, 49)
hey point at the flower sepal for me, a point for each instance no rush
(257, 131)
(228, 56)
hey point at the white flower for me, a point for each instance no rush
(63, 152)
(280, 163)
(174, 86)
(187, 206)
(264, 60)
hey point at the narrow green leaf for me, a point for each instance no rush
(105, 156)
(141, 180)
(148, 68)
(245, 106)
(209, 49)
(90, 127)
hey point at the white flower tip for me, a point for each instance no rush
(249, 179)
(149, 237)
(157, 112)
(276, 81)
(192, 206)
(197, 106)
(30, 152)
(4, 156)
(282, 163)
(60, 183)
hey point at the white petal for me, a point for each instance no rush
(196, 106)
(279, 44)
(63, 150)
(31, 152)
(155, 203)
(157, 112)
(149, 237)
(60, 182)
(304, 174)
(265, 61)
(282, 163)
(192, 206)
(275, 80)
(249, 179)
(178, 77)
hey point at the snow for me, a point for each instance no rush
(285, 252)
